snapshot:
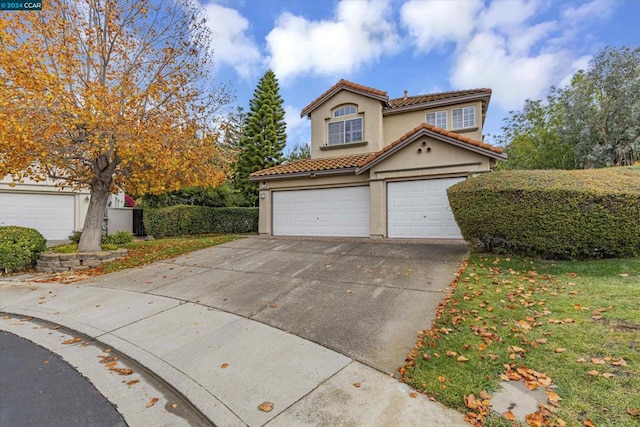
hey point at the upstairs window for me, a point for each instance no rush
(345, 111)
(463, 117)
(439, 119)
(345, 131)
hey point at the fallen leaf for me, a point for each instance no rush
(509, 415)
(624, 274)
(619, 361)
(274, 306)
(541, 340)
(174, 405)
(122, 371)
(560, 350)
(597, 361)
(152, 402)
(451, 353)
(224, 365)
(593, 373)
(132, 382)
(634, 412)
(462, 359)
(266, 406)
(413, 394)
(582, 360)
(608, 375)
(441, 379)
(588, 423)
(72, 340)
(357, 385)
(553, 397)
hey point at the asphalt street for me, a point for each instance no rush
(37, 388)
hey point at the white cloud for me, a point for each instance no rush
(590, 10)
(360, 33)
(432, 24)
(298, 128)
(485, 61)
(231, 43)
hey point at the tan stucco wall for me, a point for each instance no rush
(442, 158)
(396, 125)
(368, 108)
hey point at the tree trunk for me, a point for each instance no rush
(92, 232)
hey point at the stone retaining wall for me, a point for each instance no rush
(50, 262)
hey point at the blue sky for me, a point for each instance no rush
(517, 48)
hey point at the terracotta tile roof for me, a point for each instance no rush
(371, 157)
(313, 165)
(421, 99)
(341, 84)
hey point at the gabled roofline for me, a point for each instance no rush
(436, 133)
(387, 111)
(344, 85)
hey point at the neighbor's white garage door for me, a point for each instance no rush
(324, 212)
(53, 215)
(420, 209)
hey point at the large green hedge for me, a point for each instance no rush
(19, 247)
(554, 214)
(184, 220)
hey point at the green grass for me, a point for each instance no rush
(146, 252)
(539, 306)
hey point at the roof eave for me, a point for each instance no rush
(438, 103)
(306, 174)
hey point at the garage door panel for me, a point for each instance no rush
(53, 215)
(322, 212)
(420, 209)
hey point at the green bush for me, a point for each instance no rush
(580, 214)
(109, 246)
(20, 247)
(66, 249)
(118, 238)
(184, 220)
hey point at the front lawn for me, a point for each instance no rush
(572, 328)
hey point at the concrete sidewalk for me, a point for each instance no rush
(227, 365)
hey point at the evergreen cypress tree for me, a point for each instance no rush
(264, 136)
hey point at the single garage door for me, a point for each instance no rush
(420, 209)
(325, 212)
(53, 215)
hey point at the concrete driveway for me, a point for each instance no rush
(363, 299)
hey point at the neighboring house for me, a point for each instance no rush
(52, 210)
(379, 167)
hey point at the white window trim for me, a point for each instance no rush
(340, 111)
(442, 113)
(467, 121)
(343, 138)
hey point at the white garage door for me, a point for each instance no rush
(324, 212)
(51, 214)
(420, 209)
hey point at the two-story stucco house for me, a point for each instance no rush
(379, 167)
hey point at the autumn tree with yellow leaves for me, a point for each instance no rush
(109, 94)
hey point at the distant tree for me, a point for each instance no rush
(223, 195)
(233, 128)
(264, 136)
(108, 95)
(593, 122)
(299, 151)
(602, 109)
(533, 137)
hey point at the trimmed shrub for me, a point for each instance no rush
(182, 220)
(20, 247)
(118, 238)
(579, 214)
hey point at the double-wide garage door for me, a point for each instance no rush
(53, 215)
(420, 209)
(324, 212)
